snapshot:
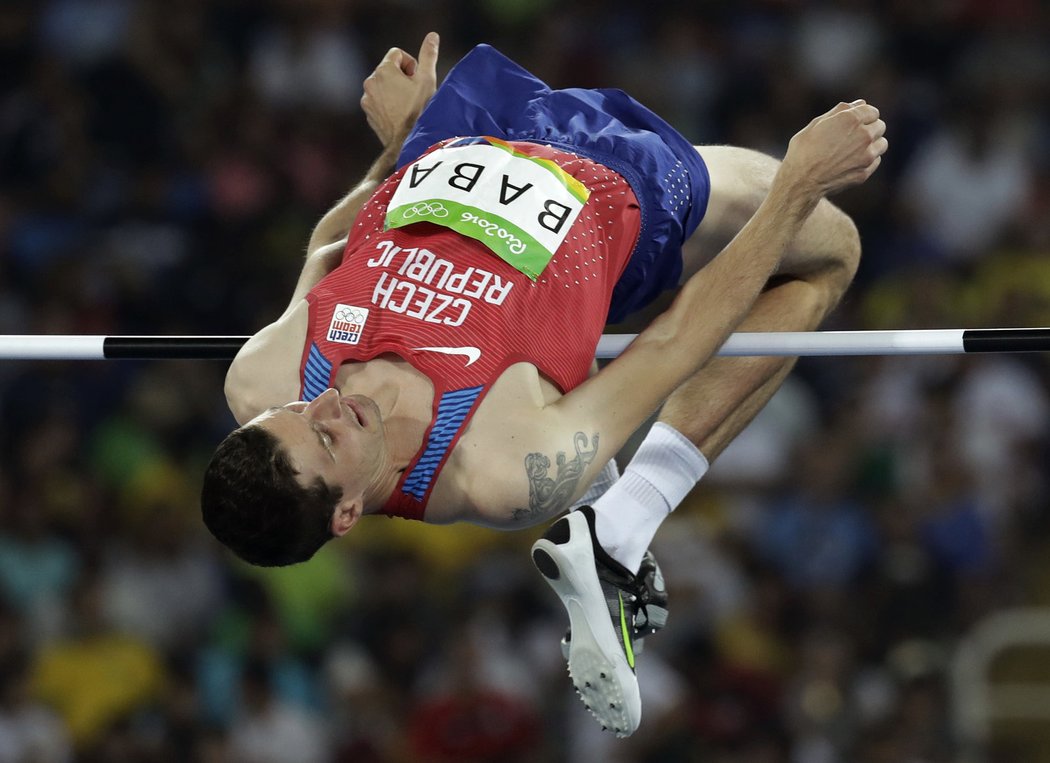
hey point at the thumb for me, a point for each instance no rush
(428, 55)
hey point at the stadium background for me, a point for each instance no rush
(161, 165)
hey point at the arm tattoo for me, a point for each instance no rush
(551, 495)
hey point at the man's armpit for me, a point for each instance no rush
(551, 494)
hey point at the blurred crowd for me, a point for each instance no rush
(161, 165)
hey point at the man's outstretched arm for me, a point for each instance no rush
(394, 95)
(265, 371)
(324, 252)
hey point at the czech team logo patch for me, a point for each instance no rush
(348, 322)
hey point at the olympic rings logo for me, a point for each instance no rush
(350, 315)
(434, 209)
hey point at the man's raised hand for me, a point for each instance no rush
(396, 92)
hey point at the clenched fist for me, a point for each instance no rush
(838, 149)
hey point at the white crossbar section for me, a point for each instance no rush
(792, 343)
(55, 347)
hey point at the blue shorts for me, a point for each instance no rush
(488, 94)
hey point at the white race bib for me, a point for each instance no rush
(521, 207)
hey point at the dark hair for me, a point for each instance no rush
(253, 504)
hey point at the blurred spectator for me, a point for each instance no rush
(472, 714)
(85, 32)
(821, 702)
(158, 583)
(818, 536)
(836, 43)
(369, 724)
(38, 568)
(95, 677)
(29, 730)
(251, 635)
(309, 59)
(969, 181)
(269, 730)
(1001, 408)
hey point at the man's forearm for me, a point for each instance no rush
(319, 263)
(336, 223)
(394, 95)
(325, 250)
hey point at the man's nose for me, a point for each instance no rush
(325, 405)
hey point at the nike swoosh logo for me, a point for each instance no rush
(471, 353)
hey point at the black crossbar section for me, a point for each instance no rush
(1006, 340)
(172, 347)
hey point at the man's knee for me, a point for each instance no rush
(843, 259)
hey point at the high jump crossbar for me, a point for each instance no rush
(786, 343)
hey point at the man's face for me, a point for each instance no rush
(339, 439)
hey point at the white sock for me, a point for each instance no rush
(606, 479)
(664, 469)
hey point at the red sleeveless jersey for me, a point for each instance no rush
(461, 315)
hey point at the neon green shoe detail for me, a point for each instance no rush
(625, 633)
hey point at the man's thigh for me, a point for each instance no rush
(740, 179)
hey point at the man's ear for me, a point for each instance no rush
(345, 516)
